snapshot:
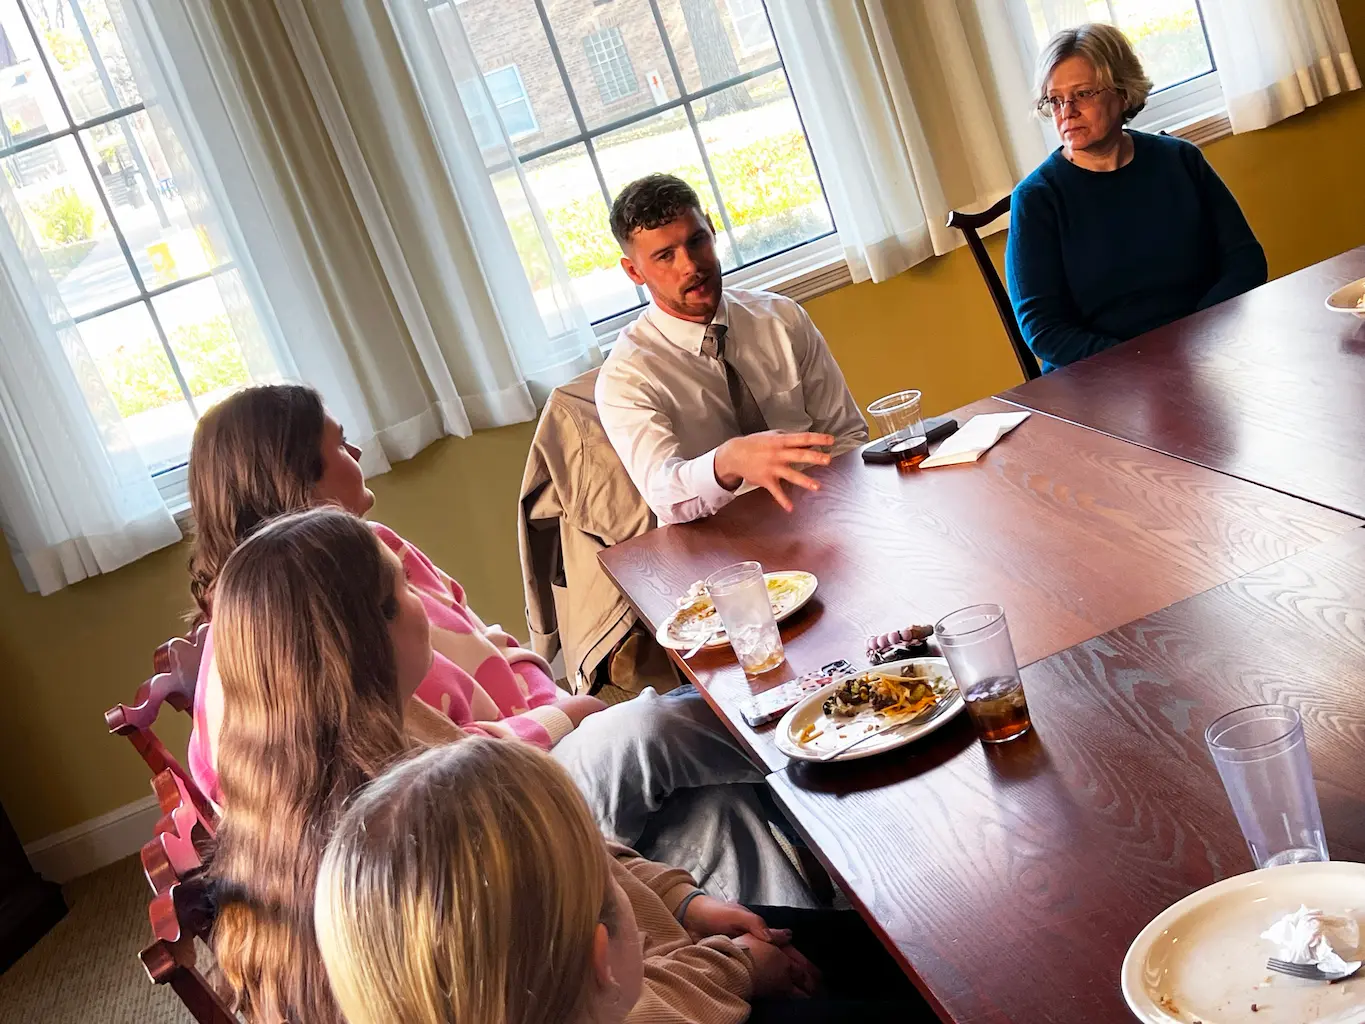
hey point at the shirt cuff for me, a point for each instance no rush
(702, 482)
(552, 719)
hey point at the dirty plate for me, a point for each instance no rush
(788, 593)
(834, 732)
(1203, 959)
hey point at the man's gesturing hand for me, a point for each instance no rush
(768, 458)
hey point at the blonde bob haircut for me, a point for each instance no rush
(464, 885)
(1111, 55)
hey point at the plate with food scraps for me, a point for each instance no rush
(1349, 298)
(877, 700)
(696, 615)
(1204, 958)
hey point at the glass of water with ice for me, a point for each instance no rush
(740, 594)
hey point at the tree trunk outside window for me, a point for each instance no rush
(715, 56)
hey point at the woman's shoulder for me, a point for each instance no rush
(1166, 147)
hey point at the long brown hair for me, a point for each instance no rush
(256, 454)
(471, 880)
(311, 712)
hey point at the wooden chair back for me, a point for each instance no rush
(179, 915)
(182, 907)
(176, 666)
(180, 846)
(970, 224)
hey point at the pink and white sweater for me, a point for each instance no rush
(479, 676)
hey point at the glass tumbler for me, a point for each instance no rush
(897, 416)
(740, 594)
(976, 642)
(1262, 758)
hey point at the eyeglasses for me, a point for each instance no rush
(1081, 99)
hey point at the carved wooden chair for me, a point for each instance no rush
(180, 914)
(970, 224)
(176, 664)
(182, 908)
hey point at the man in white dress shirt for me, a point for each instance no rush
(711, 389)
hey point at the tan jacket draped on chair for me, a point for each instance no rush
(576, 499)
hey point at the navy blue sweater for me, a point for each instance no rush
(1097, 257)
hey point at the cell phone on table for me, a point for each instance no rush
(770, 705)
(936, 428)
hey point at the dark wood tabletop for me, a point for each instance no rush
(1268, 387)
(1074, 532)
(1010, 881)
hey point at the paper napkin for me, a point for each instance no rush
(975, 439)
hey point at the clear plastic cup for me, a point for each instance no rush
(898, 418)
(740, 594)
(976, 643)
(1262, 758)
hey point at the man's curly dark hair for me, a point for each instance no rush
(651, 202)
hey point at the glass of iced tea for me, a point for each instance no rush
(897, 417)
(976, 642)
(740, 594)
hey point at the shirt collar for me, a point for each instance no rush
(686, 334)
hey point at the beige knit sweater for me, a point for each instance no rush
(686, 982)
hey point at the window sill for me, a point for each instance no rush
(1203, 129)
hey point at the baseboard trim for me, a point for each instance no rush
(92, 844)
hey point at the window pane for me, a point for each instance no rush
(137, 373)
(504, 85)
(502, 33)
(567, 191)
(203, 340)
(28, 106)
(763, 166)
(663, 143)
(136, 176)
(1167, 34)
(67, 220)
(93, 82)
(716, 40)
(581, 29)
(610, 64)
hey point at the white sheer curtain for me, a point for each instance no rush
(912, 110)
(1276, 58)
(484, 339)
(75, 496)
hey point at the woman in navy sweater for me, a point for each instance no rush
(1117, 232)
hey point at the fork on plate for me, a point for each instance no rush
(1308, 972)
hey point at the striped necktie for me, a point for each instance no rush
(748, 413)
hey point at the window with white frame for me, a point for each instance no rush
(1169, 38)
(751, 24)
(663, 86)
(611, 65)
(92, 174)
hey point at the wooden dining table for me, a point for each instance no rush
(1174, 533)
(1268, 387)
(1009, 881)
(1074, 532)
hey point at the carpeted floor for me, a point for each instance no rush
(86, 970)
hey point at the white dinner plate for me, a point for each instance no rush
(812, 710)
(1346, 299)
(1203, 959)
(808, 582)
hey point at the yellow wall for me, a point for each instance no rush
(65, 658)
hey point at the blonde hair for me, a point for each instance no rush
(1109, 52)
(464, 885)
(311, 712)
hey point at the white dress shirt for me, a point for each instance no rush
(666, 407)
